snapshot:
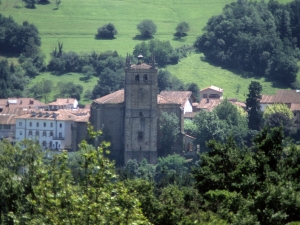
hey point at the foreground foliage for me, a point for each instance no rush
(35, 191)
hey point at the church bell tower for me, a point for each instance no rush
(140, 111)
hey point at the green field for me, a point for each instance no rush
(76, 21)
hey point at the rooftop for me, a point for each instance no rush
(212, 88)
(179, 97)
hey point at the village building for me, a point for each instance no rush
(9, 109)
(289, 97)
(63, 103)
(129, 118)
(62, 129)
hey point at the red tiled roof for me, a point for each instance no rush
(295, 107)
(118, 97)
(63, 101)
(179, 97)
(112, 98)
(79, 115)
(140, 66)
(7, 116)
(210, 105)
(267, 99)
(20, 103)
(287, 96)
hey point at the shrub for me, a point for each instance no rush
(107, 31)
(147, 28)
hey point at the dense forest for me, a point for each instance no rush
(257, 37)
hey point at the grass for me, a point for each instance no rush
(69, 77)
(75, 24)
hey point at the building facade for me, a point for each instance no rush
(62, 129)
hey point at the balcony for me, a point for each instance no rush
(58, 138)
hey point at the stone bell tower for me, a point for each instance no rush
(140, 111)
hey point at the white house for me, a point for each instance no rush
(63, 103)
(53, 130)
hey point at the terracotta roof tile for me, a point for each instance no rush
(179, 97)
(295, 107)
(113, 98)
(140, 66)
(267, 99)
(63, 101)
(20, 103)
(287, 96)
(163, 100)
(81, 115)
(7, 116)
(210, 105)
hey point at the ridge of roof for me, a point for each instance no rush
(213, 88)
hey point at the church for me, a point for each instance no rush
(129, 118)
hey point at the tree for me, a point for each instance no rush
(182, 29)
(169, 128)
(193, 87)
(108, 82)
(57, 3)
(236, 119)
(209, 127)
(30, 3)
(253, 105)
(279, 115)
(147, 28)
(68, 90)
(42, 90)
(107, 31)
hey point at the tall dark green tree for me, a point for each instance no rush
(169, 128)
(253, 105)
(147, 28)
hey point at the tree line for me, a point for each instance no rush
(257, 37)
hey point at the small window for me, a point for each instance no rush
(140, 135)
(20, 124)
(60, 125)
(21, 133)
(145, 77)
(204, 95)
(60, 134)
(141, 114)
(51, 133)
(51, 124)
(37, 124)
(30, 124)
(50, 144)
(37, 133)
(44, 133)
(6, 127)
(44, 124)
(137, 77)
(44, 143)
(30, 133)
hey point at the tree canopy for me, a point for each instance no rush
(182, 29)
(107, 31)
(247, 36)
(147, 28)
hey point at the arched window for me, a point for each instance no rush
(137, 77)
(145, 77)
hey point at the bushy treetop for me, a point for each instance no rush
(147, 28)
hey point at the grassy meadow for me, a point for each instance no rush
(75, 24)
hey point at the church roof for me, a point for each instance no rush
(112, 98)
(118, 97)
(179, 97)
(140, 66)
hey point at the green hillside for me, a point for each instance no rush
(75, 24)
